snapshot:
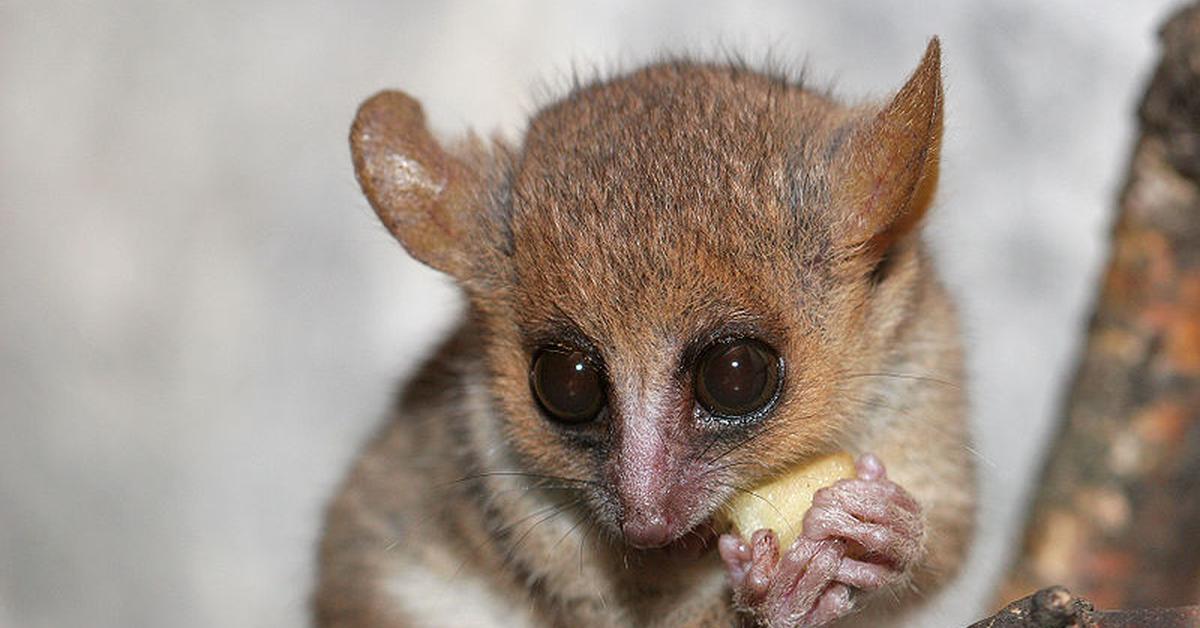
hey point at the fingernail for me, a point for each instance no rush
(870, 467)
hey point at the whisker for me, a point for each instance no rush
(562, 538)
(733, 464)
(743, 442)
(727, 466)
(766, 428)
(711, 442)
(543, 510)
(765, 501)
(883, 405)
(908, 376)
(536, 487)
(582, 541)
(504, 530)
(518, 474)
(512, 551)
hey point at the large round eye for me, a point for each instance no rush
(737, 378)
(567, 386)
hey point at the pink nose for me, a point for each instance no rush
(645, 532)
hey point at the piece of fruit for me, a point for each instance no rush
(780, 503)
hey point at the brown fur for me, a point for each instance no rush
(642, 217)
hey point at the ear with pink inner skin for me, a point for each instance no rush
(422, 194)
(885, 174)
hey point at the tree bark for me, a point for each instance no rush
(1056, 607)
(1116, 518)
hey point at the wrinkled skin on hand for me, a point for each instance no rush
(860, 535)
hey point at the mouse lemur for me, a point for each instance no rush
(682, 283)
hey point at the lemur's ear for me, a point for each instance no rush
(886, 171)
(420, 192)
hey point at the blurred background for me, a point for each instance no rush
(201, 319)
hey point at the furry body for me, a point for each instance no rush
(642, 218)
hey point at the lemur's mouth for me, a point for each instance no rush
(694, 543)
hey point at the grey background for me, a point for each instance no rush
(200, 318)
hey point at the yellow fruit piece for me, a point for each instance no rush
(780, 504)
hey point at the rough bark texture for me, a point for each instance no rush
(1056, 607)
(1117, 516)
